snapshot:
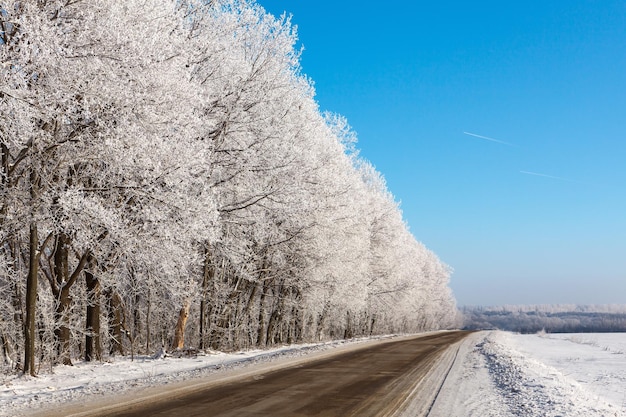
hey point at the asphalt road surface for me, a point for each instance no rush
(373, 381)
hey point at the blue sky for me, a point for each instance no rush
(546, 80)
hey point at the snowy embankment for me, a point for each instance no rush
(506, 374)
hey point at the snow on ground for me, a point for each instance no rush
(468, 390)
(596, 362)
(567, 375)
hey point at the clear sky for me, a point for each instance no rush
(500, 126)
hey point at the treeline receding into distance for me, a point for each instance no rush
(167, 179)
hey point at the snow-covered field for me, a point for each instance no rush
(492, 374)
(547, 375)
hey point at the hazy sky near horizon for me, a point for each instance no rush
(501, 128)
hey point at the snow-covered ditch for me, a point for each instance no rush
(566, 375)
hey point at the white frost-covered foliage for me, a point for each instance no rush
(171, 154)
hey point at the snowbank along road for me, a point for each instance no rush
(381, 380)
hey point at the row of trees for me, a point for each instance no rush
(168, 179)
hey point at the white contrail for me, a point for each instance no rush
(488, 138)
(591, 184)
(549, 176)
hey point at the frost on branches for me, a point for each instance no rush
(167, 179)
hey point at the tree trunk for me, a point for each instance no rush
(61, 283)
(61, 272)
(8, 351)
(261, 339)
(202, 330)
(372, 324)
(137, 324)
(148, 323)
(296, 324)
(273, 324)
(321, 321)
(18, 316)
(31, 301)
(263, 273)
(93, 348)
(208, 276)
(4, 164)
(62, 332)
(116, 322)
(179, 334)
(4, 179)
(348, 333)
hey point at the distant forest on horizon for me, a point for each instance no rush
(550, 318)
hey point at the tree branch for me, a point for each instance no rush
(79, 268)
(244, 204)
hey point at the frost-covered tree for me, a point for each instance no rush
(91, 137)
